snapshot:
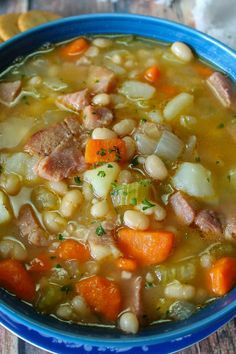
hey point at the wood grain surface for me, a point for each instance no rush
(221, 342)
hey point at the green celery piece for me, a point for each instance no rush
(126, 194)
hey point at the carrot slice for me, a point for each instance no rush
(147, 247)
(41, 263)
(105, 150)
(71, 249)
(15, 278)
(75, 48)
(222, 275)
(102, 295)
(152, 74)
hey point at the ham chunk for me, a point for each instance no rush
(74, 101)
(182, 208)
(46, 140)
(94, 117)
(133, 295)
(209, 223)
(30, 228)
(222, 88)
(101, 79)
(9, 91)
(65, 161)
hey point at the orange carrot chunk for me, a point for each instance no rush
(74, 48)
(223, 275)
(126, 264)
(41, 263)
(152, 74)
(102, 295)
(15, 278)
(146, 247)
(71, 249)
(105, 150)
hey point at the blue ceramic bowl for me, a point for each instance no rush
(58, 336)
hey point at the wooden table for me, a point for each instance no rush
(221, 342)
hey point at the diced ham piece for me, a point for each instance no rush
(9, 91)
(209, 223)
(103, 246)
(101, 79)
(94, 117)
(74, 101)
(65, 161)
(182, 208)
(30, 228)
(46, 140)
(133, 295)
(222, 88)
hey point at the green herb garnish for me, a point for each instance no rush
(220, 126)
(134, 161)
(133, 201)
(197, 159)
(100, 231)
(60, 237)
(147, 204)
(58, 266)
(109, 166)
(78, 180)
(101, 174)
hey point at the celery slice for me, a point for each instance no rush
(182, 271)
(131, 193)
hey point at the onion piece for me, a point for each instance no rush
(137, 90)
(169, 147)
(54, 84)
(145, 144)
(177, 105)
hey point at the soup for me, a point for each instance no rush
(118, 181)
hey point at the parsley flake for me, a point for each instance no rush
(134, 162)
(197, 159)
(100, 231)
(60, 237)
(220, 126)
(147, 204)
(133, 201)
(78, 180)
(109, 166)
(1, 169)
(58, 266)
(101, 174)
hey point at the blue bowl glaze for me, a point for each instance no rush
(58, 336)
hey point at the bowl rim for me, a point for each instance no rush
(145, 339)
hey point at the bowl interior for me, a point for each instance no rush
(163, 30)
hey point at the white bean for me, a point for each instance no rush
(92, 52)
(177, 105)
(136, 220)
(101, 99)
(126, 275)
(103, 133)
(124, 127)
(130, 146)
(53, 221)
(156, 168)
(11, 183)
(159, 213)
(79, 305)
(128, 322)
(92, 267)
(70, 202)
(180, 291)
(100, 209)
(102, 42)
(58, 187)
(125, 176)
(182, 51)
(10, 248)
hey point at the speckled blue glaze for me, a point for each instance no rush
(60, 337)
